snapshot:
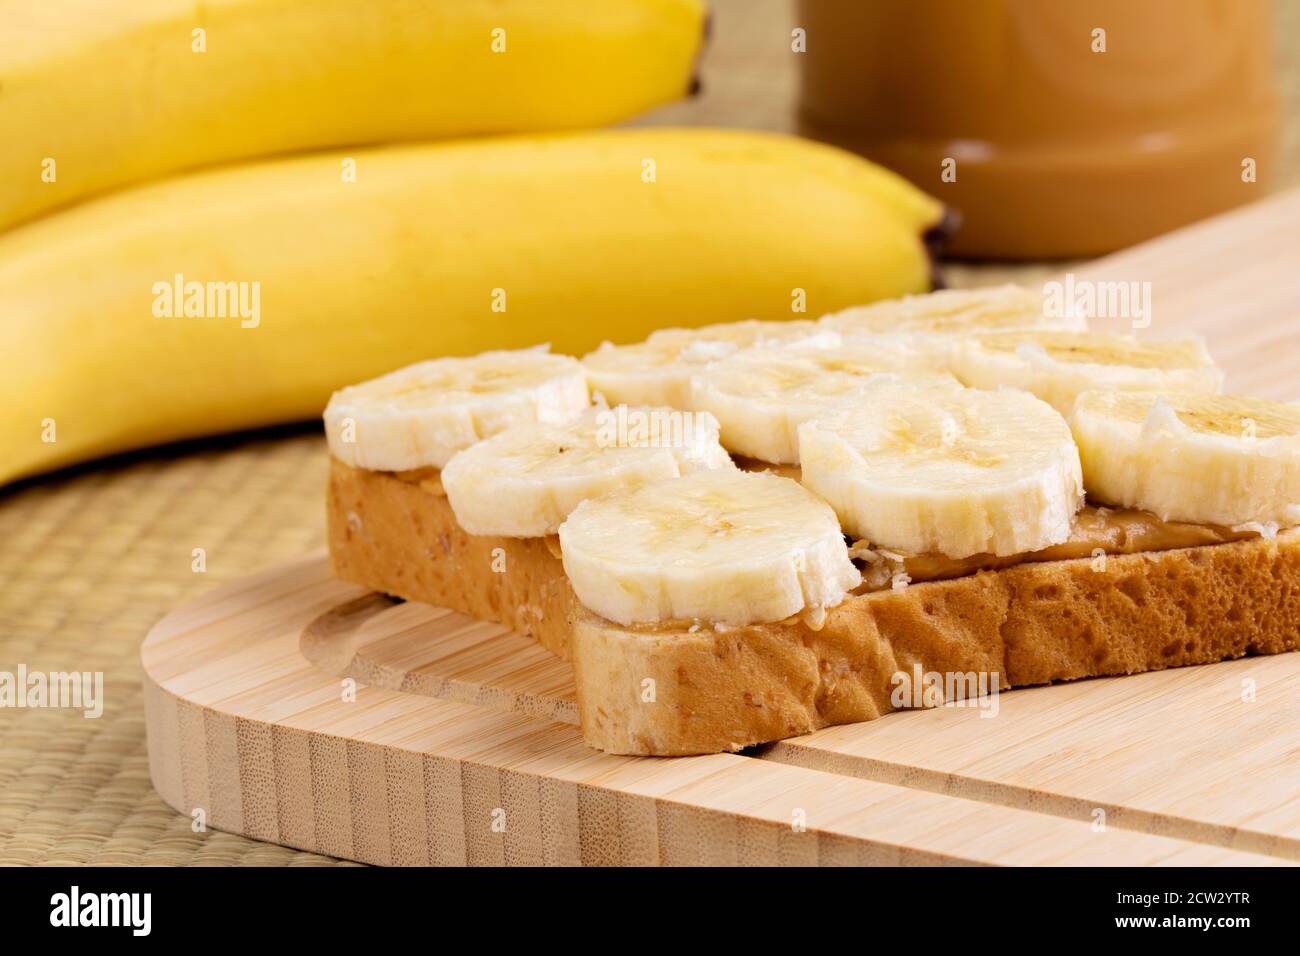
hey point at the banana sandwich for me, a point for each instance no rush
(745, 532)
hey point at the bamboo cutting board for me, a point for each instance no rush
(258, 722)
(295, 708)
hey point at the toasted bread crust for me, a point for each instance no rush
(400, 537)
(677, 690)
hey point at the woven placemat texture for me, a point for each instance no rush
(90, 559)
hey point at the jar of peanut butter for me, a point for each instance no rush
(1055, 127)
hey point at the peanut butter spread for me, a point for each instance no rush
(430, 479)
(1096, 529)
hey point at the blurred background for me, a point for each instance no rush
(93, 555)
(1224, 77)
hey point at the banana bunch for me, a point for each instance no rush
(243, 297)
(895, 448)
(98, 94)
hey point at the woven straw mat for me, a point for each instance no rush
(91, 558)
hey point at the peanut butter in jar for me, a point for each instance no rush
(1057, 128)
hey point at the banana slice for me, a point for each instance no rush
(937, 470)
(658, 371)
(525, 481)
(1057, 366)
(1209, 459)
(742, 334)
(953, 311)
(421, 415)
(761, 396)
(727, 547)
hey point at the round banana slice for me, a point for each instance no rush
(743, 333)
(954, 311)
(1208, 459)
(525, 481)
(762, 396)
(421, 415)
(658, 371)
(1057, 366)
(727, 547)
(956, 472)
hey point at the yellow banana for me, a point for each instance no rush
(241, 297)
(95, 94)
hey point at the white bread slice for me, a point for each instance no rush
(678, 689)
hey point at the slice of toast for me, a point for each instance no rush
(397, 534)
(690, 688)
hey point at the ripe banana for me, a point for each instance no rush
(1189, 456)
(726, 547)
(953, 311)
(421, 415)
(1057, 366)
(244, 296)
(525, 481)
(658, 371)
(942, 470)
(761, 396)
(98, 94)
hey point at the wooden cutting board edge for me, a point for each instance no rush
(245, 735)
